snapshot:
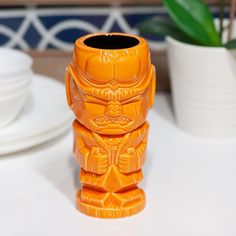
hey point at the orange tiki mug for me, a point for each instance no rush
(110, 86)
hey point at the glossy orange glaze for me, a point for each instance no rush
(110, 92)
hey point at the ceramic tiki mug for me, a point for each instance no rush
(110, 87)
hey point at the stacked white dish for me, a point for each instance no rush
(44, 117)
(15, 80)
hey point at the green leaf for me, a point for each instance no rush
(194, 18)
(164, 27)
(231, 44)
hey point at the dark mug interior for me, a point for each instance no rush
(111, 41)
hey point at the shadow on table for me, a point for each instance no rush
(146, 170)
(164, 107)
(54, 163)
(63, 172)
(58, 166)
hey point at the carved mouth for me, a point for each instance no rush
(103, 121)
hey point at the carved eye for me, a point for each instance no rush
(91, 99)
(133, 99)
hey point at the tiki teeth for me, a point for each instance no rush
(104, 121)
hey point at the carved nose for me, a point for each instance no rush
(113, 109)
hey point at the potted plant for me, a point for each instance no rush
(202, 66)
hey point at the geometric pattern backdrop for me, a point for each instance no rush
(58, 27)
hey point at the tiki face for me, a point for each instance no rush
(111, 94)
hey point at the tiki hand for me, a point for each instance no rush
(97, 162)
(128, 161)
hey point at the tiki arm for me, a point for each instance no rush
(134, 158)
(90, 159)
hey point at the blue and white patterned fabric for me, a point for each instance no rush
(58, 27)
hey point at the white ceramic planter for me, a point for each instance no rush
(203, 82)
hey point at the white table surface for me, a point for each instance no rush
(190, 185)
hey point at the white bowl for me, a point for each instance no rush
(11, 92)
(11, 106)
(13, 62)
(10, 79)
(15, 79)
(11, 89)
